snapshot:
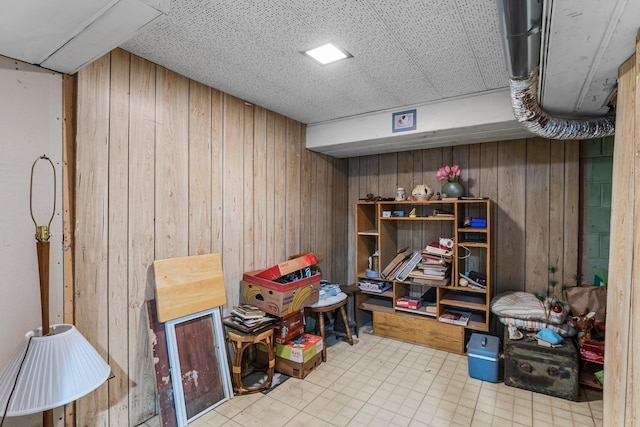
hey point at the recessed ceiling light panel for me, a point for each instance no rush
(327, 54)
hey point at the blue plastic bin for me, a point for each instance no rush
(484, 357)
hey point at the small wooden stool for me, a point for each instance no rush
(241, 341)
(319, 314)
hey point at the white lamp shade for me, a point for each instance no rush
(58, 368)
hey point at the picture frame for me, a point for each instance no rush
(204, 358)
(404, 121)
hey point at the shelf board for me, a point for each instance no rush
(472, 230)
(473, 244)
(421, 311)
(418, 218)
(465, 300)
(377, 305)
(388, 294)
(477, 325)
(368, 233)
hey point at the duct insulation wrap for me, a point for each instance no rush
(527, 111)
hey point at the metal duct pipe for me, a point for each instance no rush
(521, 25)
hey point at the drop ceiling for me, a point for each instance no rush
(431, 55)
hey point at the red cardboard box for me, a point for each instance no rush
(289, 327)
(287, 267)
(409, 302)
(277, 298)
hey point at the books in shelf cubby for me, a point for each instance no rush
(455, 317)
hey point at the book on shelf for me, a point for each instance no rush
(421, 279)
(409, 266)
(475, 222)
(396, 262)
(435, 248)
(428, 259)
(442, 213)
(435, 271)
(374, 286)
(455, 317)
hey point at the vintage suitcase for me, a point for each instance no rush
(552, 371)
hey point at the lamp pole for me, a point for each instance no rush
(43, 251)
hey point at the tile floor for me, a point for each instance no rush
(384, 382)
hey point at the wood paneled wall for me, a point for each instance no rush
(168, 167)
(622, 364)
(533, 183)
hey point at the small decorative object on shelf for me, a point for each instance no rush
(452, 189)
(401, 194)
(422, 192)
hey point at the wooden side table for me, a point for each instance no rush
(241, 341)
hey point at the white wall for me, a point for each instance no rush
(30, 126)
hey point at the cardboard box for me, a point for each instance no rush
(300, 349)
(289, 327)
(289, 367)
(483, 352)
(277, 298)
(287, 267)
(295, 369)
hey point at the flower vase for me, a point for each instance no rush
(452, 189)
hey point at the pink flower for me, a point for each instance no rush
(449, 173)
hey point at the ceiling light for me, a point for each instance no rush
(327, 53)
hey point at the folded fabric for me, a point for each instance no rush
(525, 306)
(550, 336)
(565, 330)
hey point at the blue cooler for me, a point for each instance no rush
(484, 355)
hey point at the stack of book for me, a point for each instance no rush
(455, 317)
(250, 317)
(434, 268)
(376, 286)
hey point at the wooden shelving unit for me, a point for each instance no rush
(376, 230)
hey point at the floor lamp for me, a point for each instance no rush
(55, 365)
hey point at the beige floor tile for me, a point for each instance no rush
(384, 382)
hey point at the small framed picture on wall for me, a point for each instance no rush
(404, 120)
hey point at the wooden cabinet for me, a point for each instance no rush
(390, 228)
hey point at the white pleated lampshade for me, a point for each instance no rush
(57, 369)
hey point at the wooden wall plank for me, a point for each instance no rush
(388, 166)
(510, 218)
(141, 236)
(248, 189)
(373, 175)
(280, 187)
(537, 216)
(233, 160)
(199, 168)
(217, 168)
(69, 111)
(353, 195)
(305, 192)
(620, 378)
(92, 317)
(172, 163)
(260, 167)
(270, 189)
(118, 179)
(321, 217)
(557, 186)
(293, 187)
(339, 217)
(571, 227)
